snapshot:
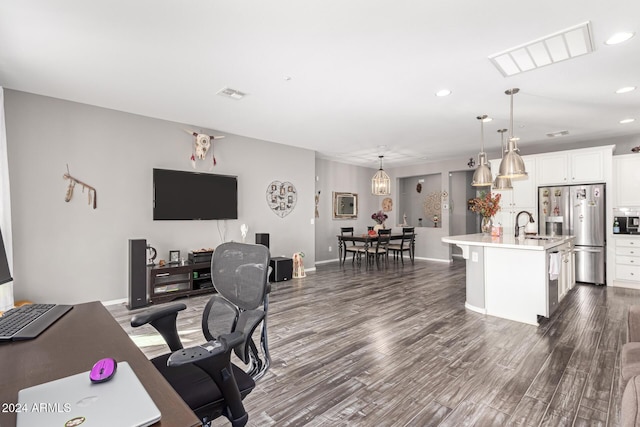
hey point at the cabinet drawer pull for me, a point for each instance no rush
(162, 275)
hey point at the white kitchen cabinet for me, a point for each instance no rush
(571, 167)
(626, 179)
(567, 277)
(627, 261)
(521, 198)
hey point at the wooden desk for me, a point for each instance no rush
(72, 345)
(367, 240)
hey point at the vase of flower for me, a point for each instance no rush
(379, 217)
(487, 205)
(487, 223)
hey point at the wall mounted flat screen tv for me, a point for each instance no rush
(192, 195)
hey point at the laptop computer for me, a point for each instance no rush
(76, 401)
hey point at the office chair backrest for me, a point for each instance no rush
(239, 273)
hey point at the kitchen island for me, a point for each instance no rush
(520, 279)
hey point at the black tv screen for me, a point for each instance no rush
(193, 195)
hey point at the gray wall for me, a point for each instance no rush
(412, 203)
(462, 220)
(68, 252)
(335, 176)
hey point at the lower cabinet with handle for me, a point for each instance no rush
(627, 261)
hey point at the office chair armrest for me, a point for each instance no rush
(153, 314)
(222, 345)
(163, 319)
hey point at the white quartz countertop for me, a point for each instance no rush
(537, 243)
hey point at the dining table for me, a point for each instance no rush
(368, 240)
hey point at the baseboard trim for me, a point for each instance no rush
(474, 308)
(327, 261)
(448, 261)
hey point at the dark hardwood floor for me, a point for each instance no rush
(357, 346)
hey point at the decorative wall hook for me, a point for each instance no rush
(93, 197)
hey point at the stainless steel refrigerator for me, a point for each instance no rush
(577, 210)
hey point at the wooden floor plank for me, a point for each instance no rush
(356, 346)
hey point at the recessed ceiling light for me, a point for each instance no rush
(626, 89)
(443, 92)
(619, 38)
(625, 121)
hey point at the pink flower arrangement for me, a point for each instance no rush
(379, 217)
(486, 205)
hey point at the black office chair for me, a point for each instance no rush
(406, 245)
(203, 375)
(349, 245)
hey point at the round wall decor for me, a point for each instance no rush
(281, 197)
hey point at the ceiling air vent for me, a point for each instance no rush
(559, 133)
(231, 93)
(566, 44)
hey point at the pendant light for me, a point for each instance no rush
(482, 176)
(381, 183)
(502, 183)
(512, 165)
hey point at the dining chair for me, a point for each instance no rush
(349, 245)
(405, 245)
(381, 247)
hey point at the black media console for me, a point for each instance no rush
(169, 282)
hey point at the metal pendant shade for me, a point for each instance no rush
(512, 165)
(381, 183)
(482, 176)
(502, 183)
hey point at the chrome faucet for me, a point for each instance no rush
(517, 227)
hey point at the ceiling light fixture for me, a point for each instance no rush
(512, 165)
(618, 38)
(625, 121)
(626, 89)
(381, 183)
(482, 176)
(443, 92)
(502, 183)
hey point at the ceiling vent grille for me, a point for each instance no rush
(231, 93)
(559, 133)
(566, 44)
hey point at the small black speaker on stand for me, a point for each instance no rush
(137, 274)
(262, 239)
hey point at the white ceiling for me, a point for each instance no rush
(363, 73)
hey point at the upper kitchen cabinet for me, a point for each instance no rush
(626, 180)
(522, 197)
(573, 167)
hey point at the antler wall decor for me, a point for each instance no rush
(93, 198)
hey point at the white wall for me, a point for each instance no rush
(69, 252)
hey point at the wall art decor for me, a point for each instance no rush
(282, 197)
(201, 145)
(92, 194)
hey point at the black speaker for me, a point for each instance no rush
(137, 273)
(262, 239)
(281, 269)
